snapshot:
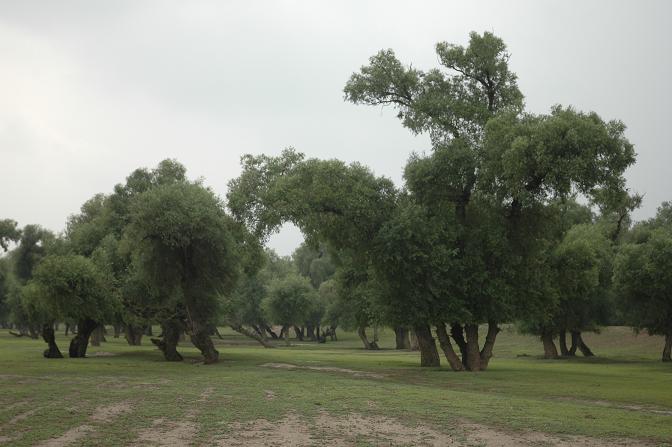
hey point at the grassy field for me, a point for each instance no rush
(335, 394)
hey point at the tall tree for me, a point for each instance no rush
(9, 232)
(643, 277)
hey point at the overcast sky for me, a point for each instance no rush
(91, 90)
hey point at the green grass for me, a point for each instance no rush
(625, 392)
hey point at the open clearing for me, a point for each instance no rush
(335, 394)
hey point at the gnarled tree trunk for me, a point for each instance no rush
(80, 342)
(172, 329)
(49, 337)
(402, 341)
(447, 348)
(429, 356)
(200, 337)
(550, 351)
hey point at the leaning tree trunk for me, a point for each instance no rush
(133, 335)
(583, 347)
(402, 341)
(489, 345)
(200, 337)
(457, 332)
(550, 351)
(49, 337)
(172, 329)
(562, 341)
(361, 331)
(429, 356)
(80, 342)
(667, 350)
(447, 348)
(252, 334)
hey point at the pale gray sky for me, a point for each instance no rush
(91, 90)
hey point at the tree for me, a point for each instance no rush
(643, 277)
(289, 301)
(185, 250)
(71, 287)
(491, 172)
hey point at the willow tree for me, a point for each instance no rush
(185, 250)
(491, 172)
(71, 287)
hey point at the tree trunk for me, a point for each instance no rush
(80, 342)
(473, 348)
(583, 347)
(489, 345)
(429, 356)
(667, 350)
(575, 343)
(298, 332)
(361, 331)
(402, 340)
(172, 329)
(550, 351)
(447, 348)
(133, 335)
(268, 329)
(200, 337)
(49, 337)
(97, 335)
(457, 332)
(414, 340)
(117, 330)
(562, 341)
(67, 328)
(332, 333)
(252, 334)
(310, 332)
(284, 334)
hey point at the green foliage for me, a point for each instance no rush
(70, 287)
(9, 232)
(184, 247)
(643, 275)
(290, 300)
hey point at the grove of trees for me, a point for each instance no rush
(511, 217)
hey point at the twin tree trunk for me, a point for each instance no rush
(361, 331)
(80, 342)
(133, 334)
(473, 358)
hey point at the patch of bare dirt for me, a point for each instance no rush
(69, 437)
(290, 431)
(352, 372)
(269, 395)
(107, 413)
(167, 433)
(354, 429)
